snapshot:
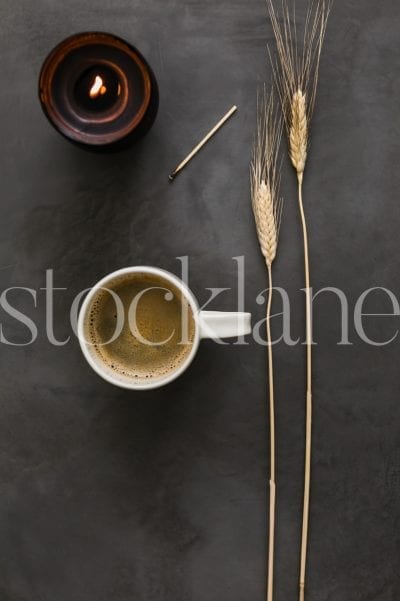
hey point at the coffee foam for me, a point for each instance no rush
(127, 357)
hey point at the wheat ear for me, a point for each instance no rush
(267, 208)
(296, 76)
(298, 132)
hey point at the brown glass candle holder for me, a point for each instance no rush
(98, 91)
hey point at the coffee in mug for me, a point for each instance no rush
(140, 327)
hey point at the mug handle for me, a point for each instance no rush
(221, 324)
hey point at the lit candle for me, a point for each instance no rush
(98, 91)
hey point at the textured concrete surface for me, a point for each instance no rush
(108, 495)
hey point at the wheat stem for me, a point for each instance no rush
(307, 462)
(272, 484)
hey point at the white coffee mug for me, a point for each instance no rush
(208, 324)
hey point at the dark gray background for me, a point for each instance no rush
(111, 495)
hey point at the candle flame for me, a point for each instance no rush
(98, 88)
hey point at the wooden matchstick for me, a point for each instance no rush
(201, 144)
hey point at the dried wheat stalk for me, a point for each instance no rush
(296, 76)
(267, 208)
